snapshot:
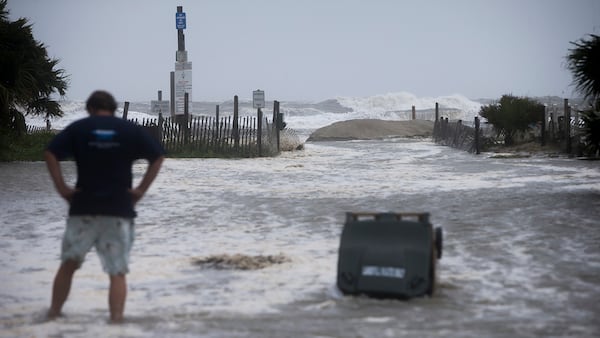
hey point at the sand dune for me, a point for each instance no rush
(372, 129)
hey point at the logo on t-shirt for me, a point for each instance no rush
(104, 134)
(104, 139)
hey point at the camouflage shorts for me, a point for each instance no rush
(111, 236)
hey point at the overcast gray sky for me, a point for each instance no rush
(315, 49)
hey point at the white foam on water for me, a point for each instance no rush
(75, 110)
(495, 264)
(381, 104)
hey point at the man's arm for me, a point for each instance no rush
(53, 165)
(147, 180)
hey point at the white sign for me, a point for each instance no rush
(383, 271)
(159, 106)
(183, 84)
(258, 99)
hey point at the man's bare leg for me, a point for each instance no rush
(61, 287)
(116, 297)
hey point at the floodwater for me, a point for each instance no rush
(521, 255)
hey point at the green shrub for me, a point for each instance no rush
(26, 147)
(511, 115)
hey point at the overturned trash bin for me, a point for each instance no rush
(388, 255)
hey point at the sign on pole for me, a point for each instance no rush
(258, 99)
(180, 20)
(183, 84)
(159, 106)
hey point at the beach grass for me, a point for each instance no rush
(26, 147)
(30, 147)
(192, 152)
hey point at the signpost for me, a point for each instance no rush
(157, 107)
(182, 76)
(258, 99)
(258, 102)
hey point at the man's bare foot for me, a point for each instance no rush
(51, 315)
(116, 319)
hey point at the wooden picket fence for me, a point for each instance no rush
(249, 136)
(36, 129)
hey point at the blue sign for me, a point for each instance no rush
(180, 20)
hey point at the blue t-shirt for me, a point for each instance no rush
(104, 149)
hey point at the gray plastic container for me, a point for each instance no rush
(388, 255)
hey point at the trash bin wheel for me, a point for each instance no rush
(439, 241)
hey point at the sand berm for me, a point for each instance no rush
(370, 129)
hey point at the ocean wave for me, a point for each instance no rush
(403, 101)
(305, 115)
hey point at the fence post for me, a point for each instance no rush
(125, 110)
(446, 127)
(477, 150)
(577, 135)
(236, 127)
(436, 124)
(274, 111)
(552, 136)
(457, 130)
(160, 128)
(186, 114)
(414, 113)
(259, 133)
(278, 122)
(216, 127)
(543, 126)
(567, 125)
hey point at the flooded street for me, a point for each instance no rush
(521, 249)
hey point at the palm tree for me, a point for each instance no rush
(584, 63)
(28, 77)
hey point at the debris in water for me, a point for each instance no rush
(240, 262)
(510, 155)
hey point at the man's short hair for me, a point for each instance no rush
(101, 100)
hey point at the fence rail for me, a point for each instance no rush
(458, 135)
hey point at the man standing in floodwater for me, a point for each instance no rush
(101, 205)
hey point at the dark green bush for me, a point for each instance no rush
(26, 147)
(511, 115)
